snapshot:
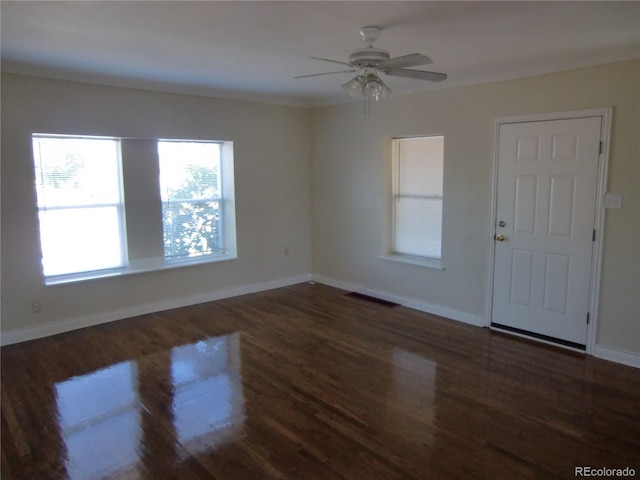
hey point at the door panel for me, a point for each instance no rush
(525, 206)
(546, 197)
(561, 206)
(556, 283)
(521, 277)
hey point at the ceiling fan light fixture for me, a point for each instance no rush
(353, 86)
(386, 91)
(374, 88)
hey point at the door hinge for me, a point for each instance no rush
(593, 237)
(600, 149)
(587, 318)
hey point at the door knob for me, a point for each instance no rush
(500, 237)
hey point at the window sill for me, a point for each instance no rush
(411, 260)
(141, 266)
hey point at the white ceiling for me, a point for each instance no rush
(252, 50)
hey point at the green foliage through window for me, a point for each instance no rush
(191, 198)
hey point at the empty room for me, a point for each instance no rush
(320, 240)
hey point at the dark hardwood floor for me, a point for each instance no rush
(305, 382)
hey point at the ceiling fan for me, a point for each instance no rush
(370, 61)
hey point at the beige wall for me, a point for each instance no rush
(351, 186)
(272, 171)
(316, 181)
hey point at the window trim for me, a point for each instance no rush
(119, 206)
(413, 260)
(139, 267)
(220, 199)
(390, 254)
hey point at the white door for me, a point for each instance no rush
(545, 217)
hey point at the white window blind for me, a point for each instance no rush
(78, 184)
(417, 196)
(191, 191)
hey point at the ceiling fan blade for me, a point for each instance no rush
(418, 74)
(327, 73)
(327, 60)
(411, 60)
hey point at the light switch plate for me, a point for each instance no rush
(612, 200)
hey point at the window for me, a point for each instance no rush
(104, 210)
(79, 203)
(417, 196)
(191, 194)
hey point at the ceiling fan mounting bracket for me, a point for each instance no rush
(370, 34)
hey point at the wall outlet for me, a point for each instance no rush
(36, 306)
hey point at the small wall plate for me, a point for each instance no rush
(612, 200)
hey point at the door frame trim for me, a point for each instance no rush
(603, 170)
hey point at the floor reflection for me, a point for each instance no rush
(99, 419)
(413, 389)
(208, 403)
(100, 413)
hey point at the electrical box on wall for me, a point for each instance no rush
(612, 200)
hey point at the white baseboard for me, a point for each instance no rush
(618, 356)
(40, 331)
(477, 320)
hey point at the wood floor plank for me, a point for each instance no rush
(305, 382)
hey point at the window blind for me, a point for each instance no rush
(78, 185)
(417, 196)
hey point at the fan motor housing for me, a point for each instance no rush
(368, 57)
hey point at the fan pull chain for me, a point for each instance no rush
(367, 108)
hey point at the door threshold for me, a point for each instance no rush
(537, 337)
